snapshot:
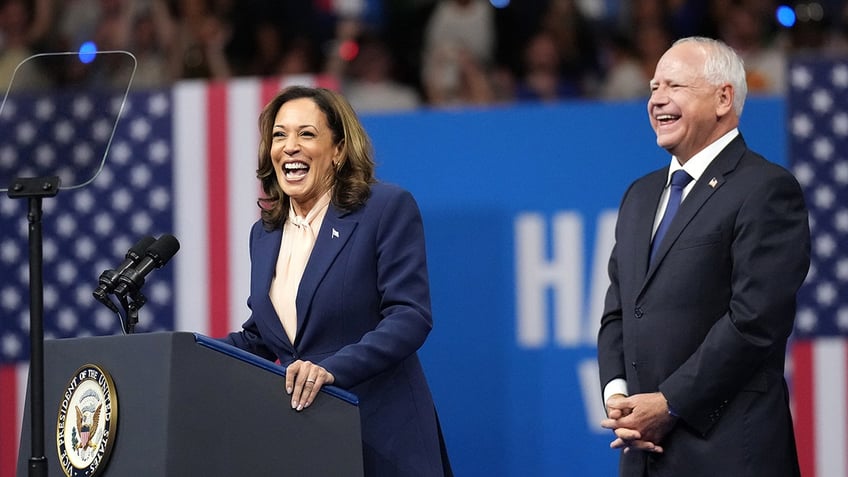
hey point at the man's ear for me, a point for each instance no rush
(724, 100)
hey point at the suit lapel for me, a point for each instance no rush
(268, 245)
(708, 184)
(647, 208)
(334, 234)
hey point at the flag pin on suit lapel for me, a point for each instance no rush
(713, 182)
(335, 233)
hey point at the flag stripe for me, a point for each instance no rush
(9, 407)
(217, 194)
(245, 103)
(190, 211)
(13, 382)
(22, 373)
(802, 387)
(821, 422)
(829, 354)
(842, 439)
(270, 88)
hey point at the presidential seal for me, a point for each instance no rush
(87, 422)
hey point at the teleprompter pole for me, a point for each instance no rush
(35, 189)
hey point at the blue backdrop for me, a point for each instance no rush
(519, 205)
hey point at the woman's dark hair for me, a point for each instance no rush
(354, 173)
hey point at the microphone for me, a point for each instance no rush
(156, 256)
(109, 278)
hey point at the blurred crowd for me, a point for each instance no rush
(402, 54)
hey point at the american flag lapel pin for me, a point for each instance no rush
(335, 233)
(713, 182)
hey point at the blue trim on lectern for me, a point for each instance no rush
(243, 355)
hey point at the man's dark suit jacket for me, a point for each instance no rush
(707, 322)
(363, 311)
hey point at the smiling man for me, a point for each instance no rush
(709, 255)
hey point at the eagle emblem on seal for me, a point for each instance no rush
(87, 425)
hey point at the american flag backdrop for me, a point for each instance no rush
(182, 161)
(818, 154)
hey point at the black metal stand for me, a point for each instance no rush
(131, 307)
(35, 189)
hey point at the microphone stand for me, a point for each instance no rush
(35, 189)
(131, 307)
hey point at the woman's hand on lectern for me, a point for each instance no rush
(303, 381)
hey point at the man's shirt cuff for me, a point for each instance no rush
(616, 386)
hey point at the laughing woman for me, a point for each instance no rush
(339, 287)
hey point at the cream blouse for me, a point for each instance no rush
(299, 235)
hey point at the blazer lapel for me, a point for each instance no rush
(334, 234)
(268, 245)
(647, 209)
(710, 181)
